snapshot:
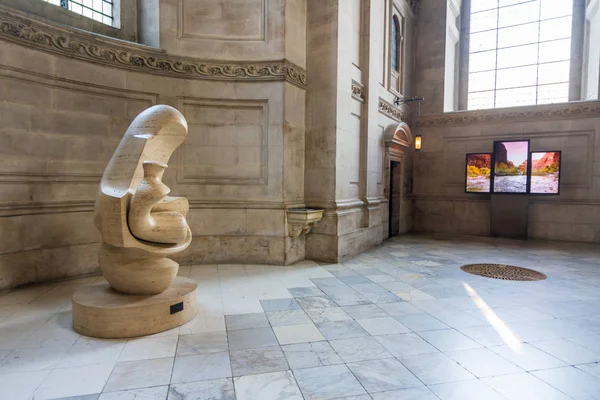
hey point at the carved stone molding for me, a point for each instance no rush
(553, 111)
(32, 33)
(391, 111)
(302, 220)
(358, 91)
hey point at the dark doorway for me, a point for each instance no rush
(395, 198)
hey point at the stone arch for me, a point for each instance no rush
(399, 134)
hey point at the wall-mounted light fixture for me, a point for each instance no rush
(417, 126)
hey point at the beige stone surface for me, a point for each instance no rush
(99, 311)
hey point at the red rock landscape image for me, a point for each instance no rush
(510, 167)
(478, 172)
(545, 172)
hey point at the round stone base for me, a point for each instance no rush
(102, 312)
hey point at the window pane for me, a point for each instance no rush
(558, 93)
(484, 21)
(517, 56)
(480, 81)
(482, 61)
(516, 77)
(556, 8)
(88, 3)
(557, 50)
(87, 12)
(482, 5)
(558, 28)
(482, 41)
(554, 72)
(519, 14)
(76, 8)
(504, 3)
(517, 35)
(481, 100)
(107, 8)
(515, 97)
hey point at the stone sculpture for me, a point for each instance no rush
(140, 226)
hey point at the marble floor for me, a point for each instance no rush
(400, 321)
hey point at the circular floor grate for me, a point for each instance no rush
(505, 272)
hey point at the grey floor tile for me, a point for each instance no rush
(359, 349)
(201, 367)
(257, 361)
(306, 355)
(421, 322)
(376, 294)
(269, 386)
(341, 330)
(279, 305)
(382, 326)
(316, 302)
(345, 295)
(383, 375)
(210, 342)
(400, 308)
(327, 314)
(305, 291)
(331, 382)
(320, 282)
(214, 389)
(405, 345)
(304, 333)
(482, 362)
(84, 397)
(572, 381)
(354, 280)
(289, 317)
(365, 311)
(251, 338)
(246, 321)
(436, 368)
(138, 374)
(448, 340)
(465, 390)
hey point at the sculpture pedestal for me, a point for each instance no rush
(102, 312)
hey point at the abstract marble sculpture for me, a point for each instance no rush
(140, 226)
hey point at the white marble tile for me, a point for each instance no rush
(33, 359)
(436, 368)
(257, 361)
(448, 340)
(200, 343)
(327, 314)
(335, 381)
(359, 349)
(92, 352)
(523, 387)
(406, 344)
(568, 351)
(214, 389)
(76, 381)
(482, 362)
(421, 322)
(201, 367)
(147, 348)
(382, 326)
(383, 375)
(150, 393)
(271, 386)
(302, 333)
(417, 393)
(591, 342)
(306, 355)
(288, 317)
(572, 381)
(465, 390)
(528, 357)
(140, 374)
(21, 385)
(592, 369)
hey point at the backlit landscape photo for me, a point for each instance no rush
(510, 167)
(545, 172)
(479, 166)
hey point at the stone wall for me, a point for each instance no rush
(440, 204)
(66, 99)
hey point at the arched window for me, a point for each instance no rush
(395, 37)
(98, 10)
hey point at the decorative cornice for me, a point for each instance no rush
(358, 91)
(532, 113)
(70, 42)
(391, 111)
